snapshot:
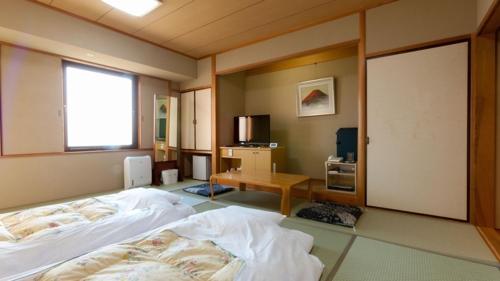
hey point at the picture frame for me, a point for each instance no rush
(316, 97)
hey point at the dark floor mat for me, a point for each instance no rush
(332, 213)
(204, 189)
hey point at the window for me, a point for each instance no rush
(100, 108)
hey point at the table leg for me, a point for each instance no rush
(309, 191)
(243, 186)
(211, 188)
(285, 201)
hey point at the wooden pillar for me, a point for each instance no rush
(483, 130)
(214, 141)
(362, 125)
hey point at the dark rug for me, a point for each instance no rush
(204, 189)
(332, 213)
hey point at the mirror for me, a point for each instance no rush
(165, 123)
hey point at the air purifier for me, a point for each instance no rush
(137, 171)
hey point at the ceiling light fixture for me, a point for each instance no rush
(136, 8)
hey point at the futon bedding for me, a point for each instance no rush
(159, 256)
(232, 243)
(51, 234)
(25, 224)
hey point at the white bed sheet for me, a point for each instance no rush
(270, 252)
(19, 258)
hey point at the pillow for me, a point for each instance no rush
(230, 219)
(140, 198)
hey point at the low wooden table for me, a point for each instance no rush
(284, 182)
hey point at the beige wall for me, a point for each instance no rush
(230, 103)
(482, 8)
(148, 88)
(32, 122)
(498, 134)
(407, 22)
(318, 36)
(32, 25)
(308, 140)
(28, 180)
(398, 24)
(204, 75)
(32, 102)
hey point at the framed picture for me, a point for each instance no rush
(316, 97)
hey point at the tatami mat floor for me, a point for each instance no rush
(368, 259)
(422, 232)
(385, 245)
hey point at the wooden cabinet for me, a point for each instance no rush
(203, 119)
(187, 121)
(251, 159)
(196, 120)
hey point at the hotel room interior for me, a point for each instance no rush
(346, 140)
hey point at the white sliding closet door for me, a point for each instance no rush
(417, 125)
(203, 107)
(187, 120)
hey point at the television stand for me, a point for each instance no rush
(252, 159)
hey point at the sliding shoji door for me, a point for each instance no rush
(417, 118)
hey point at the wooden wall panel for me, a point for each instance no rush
(483, 130)
(498, 135)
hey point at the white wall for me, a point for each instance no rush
(318, 36)
(203, 78)
(32, 25)
(407, 22)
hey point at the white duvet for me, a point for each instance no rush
(270, 252)
(140, 210)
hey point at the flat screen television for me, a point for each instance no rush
(252, 130)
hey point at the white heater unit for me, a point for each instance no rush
(137, 171)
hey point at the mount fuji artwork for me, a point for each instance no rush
(316, 97)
